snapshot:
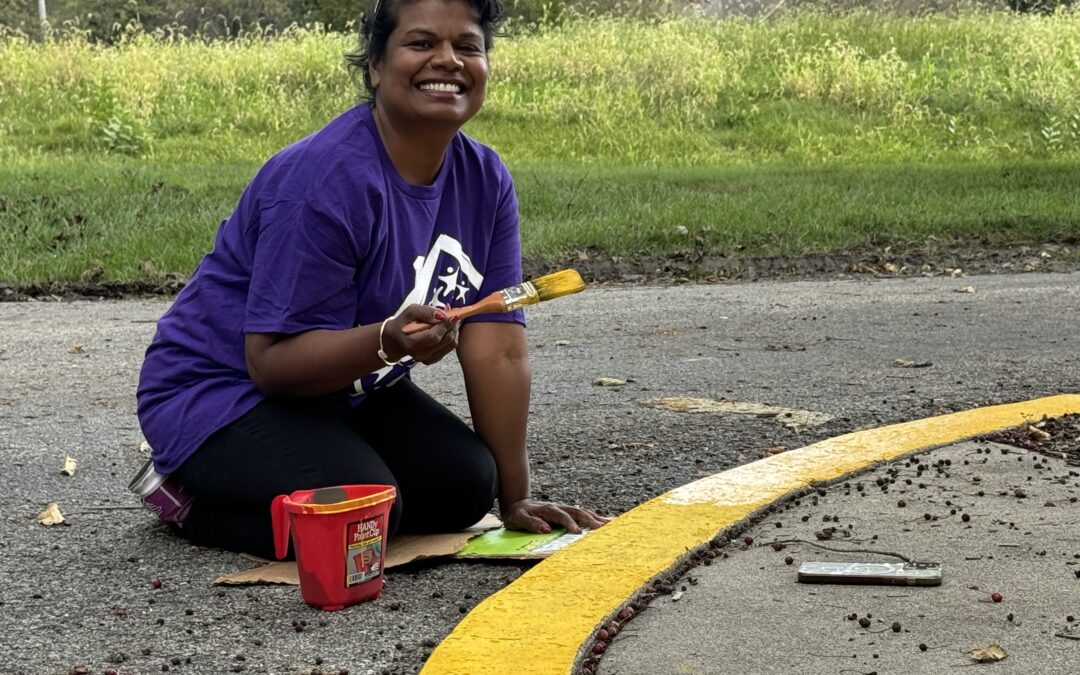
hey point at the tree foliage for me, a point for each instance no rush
(104, 20)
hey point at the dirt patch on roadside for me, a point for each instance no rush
(107, 290)
(965, 258)
(1057, 437)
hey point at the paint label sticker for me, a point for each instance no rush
(363, 551)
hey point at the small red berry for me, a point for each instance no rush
(602, 635)
(788, 560)
(996, 597)
(155, 584)
(748, 540)
(598, 648)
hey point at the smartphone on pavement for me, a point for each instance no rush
(884, 573)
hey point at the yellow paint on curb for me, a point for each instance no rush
(539, 624)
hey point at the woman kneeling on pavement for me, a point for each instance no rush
(283, 364)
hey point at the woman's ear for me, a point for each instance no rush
(374, 64)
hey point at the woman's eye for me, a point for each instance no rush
(470, 49)
(420, 44)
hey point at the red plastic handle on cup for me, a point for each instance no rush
(280, 521)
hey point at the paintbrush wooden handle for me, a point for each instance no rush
(492, 304)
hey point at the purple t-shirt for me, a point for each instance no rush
(327, 235)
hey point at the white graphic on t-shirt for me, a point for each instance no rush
(451, 286)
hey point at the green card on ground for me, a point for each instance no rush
(503, 543)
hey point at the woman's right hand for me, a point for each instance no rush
(427, 346)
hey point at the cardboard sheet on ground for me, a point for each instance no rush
(485, 539)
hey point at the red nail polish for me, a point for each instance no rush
(440, 315)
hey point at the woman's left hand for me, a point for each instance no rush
(533, 515)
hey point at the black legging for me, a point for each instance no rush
(445, 475)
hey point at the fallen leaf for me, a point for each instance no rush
(1037, 434)
(609, 382)
(669, 332)
(69, 466)
(76, 348)
(956, 273)
(51, 515)
(676, 596)
(988, 654)
(965, 289)
(774, 450)
(562, 343)
(906, 363)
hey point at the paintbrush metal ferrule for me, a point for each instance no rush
(518, 296)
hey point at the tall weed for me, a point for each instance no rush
(804, 86)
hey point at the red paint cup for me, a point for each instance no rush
(339, 538)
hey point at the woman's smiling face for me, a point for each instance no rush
(435, 66)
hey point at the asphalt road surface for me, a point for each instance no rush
(82, 594)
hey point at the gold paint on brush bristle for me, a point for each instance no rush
(558, 284)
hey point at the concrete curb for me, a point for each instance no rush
(541, 622)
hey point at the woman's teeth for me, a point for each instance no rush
(440, 86)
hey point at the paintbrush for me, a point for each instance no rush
(547, 287)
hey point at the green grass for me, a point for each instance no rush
(806, 133)
(141, 222)
(793, 211)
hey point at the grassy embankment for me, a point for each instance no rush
(803, 134)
